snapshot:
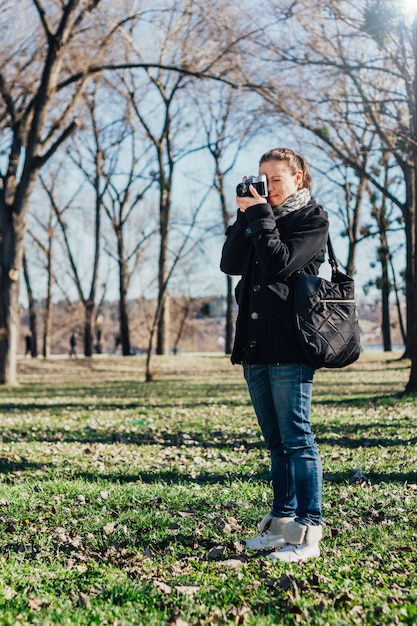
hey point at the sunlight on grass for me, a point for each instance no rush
(123, 502)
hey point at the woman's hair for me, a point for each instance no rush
(294, 161)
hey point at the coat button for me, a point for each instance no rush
(252, 344)
(256, 288)
(254, 315)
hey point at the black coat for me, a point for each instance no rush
(267, 253)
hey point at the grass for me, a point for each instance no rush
(123, 502)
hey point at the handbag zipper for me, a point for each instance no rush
(326, 301)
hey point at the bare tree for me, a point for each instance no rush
(386, 220)
(124, 170)
(40, 94)
(43, 73)
(226, 134)
(44, 243)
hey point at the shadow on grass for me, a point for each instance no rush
(352, 435)
(171, 477)
(150, 403)
(91, 404)
(168, 477)
(90, 436)
(373, 478)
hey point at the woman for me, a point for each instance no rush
(271, 240)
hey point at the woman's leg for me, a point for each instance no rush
(291, 387)
(282, 468)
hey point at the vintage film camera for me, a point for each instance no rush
(259, 182)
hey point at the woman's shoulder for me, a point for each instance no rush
(315, 208)
(311, 211)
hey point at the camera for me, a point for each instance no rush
(259, 182)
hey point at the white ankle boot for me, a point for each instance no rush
(302, 543)
(272, 533)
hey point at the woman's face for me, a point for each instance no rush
(281, 183)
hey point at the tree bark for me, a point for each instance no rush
(88, 328)
(162, 340)
(385, 293)
(123, 304)
(47, 332)
(32, 310)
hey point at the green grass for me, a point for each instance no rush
(123, 502)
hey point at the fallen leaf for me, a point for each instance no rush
(216, 553)
(232, 563)
(35, 604)
(285, 582)
(178, 621)
(241, 612)
(162, 586)
(239, 546)
(109, 528)
(188, 590)
(113, 548)
(83, 600)
(9, 593)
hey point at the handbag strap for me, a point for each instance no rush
(332, 257)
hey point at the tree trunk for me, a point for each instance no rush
(123, 282)
(398, 303)
(411, 274)
(163, 326)
(184, 315)
(385, 293)
(9, 325)
(162, 339)
(411, 234)
(354, 227)
(88, 329)
(124, 316)
(11, 256)
(47, 331)
(32, 310)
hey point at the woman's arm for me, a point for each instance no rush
(281, 255)
(235, 247)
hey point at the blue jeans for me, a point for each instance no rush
(281, 397)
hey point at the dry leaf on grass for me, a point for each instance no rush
(35, 603)
(216, 553)
(159, 584)
(188, 590)
(232, 562)
(109, 528)
(9, 593)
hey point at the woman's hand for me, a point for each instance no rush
(247, 201)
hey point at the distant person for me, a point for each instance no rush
(277, 233)
(28, 343)
(73, 344)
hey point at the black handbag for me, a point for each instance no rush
(326, 317)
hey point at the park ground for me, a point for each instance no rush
(123, 502)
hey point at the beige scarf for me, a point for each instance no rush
(298, 200)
